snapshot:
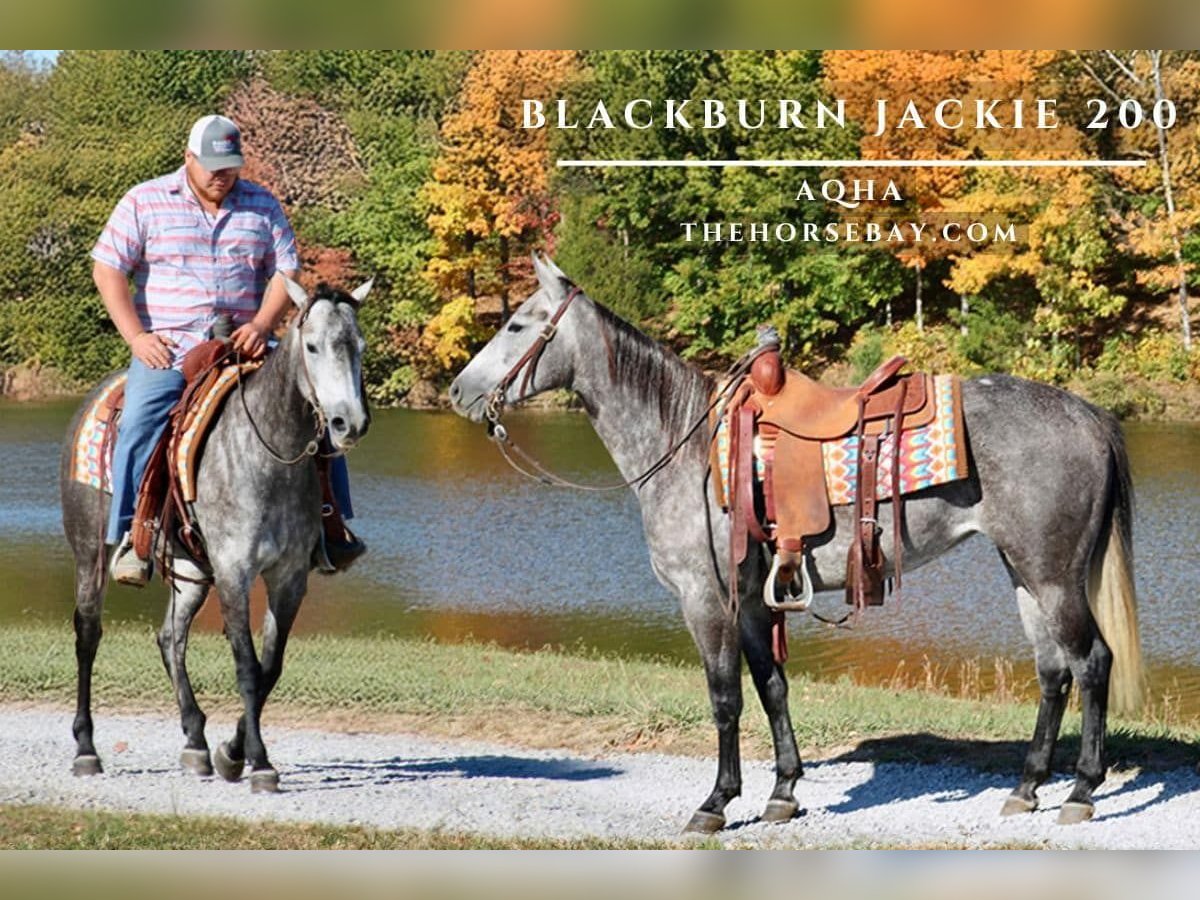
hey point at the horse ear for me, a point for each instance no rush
(545, 276)
(550, 264)
(298, 294)
(360, 292)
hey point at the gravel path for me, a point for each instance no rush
(402, 780)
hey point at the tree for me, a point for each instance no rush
(1154, 79)
(490, 195)
(923, 78)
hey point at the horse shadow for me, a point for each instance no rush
(349, 774)
(1164, 763)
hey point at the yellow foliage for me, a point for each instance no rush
(450, 336)
(931, 350)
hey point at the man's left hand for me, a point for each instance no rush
(251, 339)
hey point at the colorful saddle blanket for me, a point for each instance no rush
(93, 454)
(931, 455)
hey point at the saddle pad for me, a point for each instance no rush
(88, 467)
(200, 418)
(931, 455)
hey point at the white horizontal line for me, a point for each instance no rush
(850, 163)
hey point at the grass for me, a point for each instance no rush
(51, 828)
(585, 703)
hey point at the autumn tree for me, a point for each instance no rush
(1157, 81)
(490, 196)
(901, 77)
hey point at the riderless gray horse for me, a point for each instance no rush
(1049, 485)
(258, 508)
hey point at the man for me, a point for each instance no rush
(202, 247)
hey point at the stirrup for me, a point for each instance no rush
(790, 602)
(127, 568)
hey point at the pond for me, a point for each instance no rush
(462, 548)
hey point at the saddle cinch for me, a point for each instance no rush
(805, 424)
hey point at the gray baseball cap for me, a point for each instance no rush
(216, 142)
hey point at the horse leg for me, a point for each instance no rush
(186, 600)
(770, 681)
(1092, 674)
(89, 603)
(283, 603)
(1054, 679)
(716, 635)
(247, 745)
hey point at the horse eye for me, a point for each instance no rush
(514, 327)
(311, 348)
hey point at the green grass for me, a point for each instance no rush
(551, 698)
(50, 828)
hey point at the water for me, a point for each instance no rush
(464, 548)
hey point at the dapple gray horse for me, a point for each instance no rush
(258, 514)
(1049, 485)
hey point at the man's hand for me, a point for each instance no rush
(251, 339)
(152, 349)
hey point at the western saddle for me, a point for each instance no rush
(792, 504)
(165, 494)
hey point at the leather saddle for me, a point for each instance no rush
(792, 504)
(160, 502)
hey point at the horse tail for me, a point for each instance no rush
(1111, 593)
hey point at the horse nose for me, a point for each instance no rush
(339, 426)
(455, 391)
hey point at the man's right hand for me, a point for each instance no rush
(152, 349)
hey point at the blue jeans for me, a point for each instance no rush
(149, 396)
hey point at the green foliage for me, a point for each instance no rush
(1154, 356)
(1125, 398)
(866, 353)
(21, 104)
(995, 336)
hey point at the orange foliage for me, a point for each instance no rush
(490, 195)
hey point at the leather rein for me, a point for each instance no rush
(528, 465)
(313, 447)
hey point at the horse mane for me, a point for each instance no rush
(653, 373)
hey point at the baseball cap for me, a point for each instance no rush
(216, 142)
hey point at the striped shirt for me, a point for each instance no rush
(188, 266)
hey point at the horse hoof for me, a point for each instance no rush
(1073, 812)
(780, 811)
(705, 823)
(197, 762)
(227, 767)
(1015, 805)
(86, 765)
(264, 781)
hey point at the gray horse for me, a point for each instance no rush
(258, 507)
(1049, 485)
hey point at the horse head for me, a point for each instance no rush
(329, 349)
(532, 352)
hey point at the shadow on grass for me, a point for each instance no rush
(1165, 764)
(353, 774)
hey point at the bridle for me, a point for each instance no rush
(495, 403)
(528, 361)
(313, 447)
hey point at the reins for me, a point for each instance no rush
(313, 447)
(495, 404)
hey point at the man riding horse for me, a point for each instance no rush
(204, 249)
